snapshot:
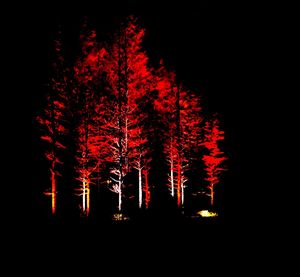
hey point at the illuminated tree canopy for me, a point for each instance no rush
(115, 111)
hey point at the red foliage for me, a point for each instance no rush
(91, 140)
(214, 159)
(111, 87)
(130, 80)
(52, 120)
(180, 112)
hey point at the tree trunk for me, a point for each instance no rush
(120, 193)
(147, 192)
(140, 189)
(182, 193)
(87, 199)
(179, 183)
(212, 195)
(172, 170)
(126, 143)
(53, 191)
(83, 197)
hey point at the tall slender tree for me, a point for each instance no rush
(214, 159)
(188, 136)
(180, 112)
(89, 135)
(165, 105)
(53, 122)
(140, 159)
(109, 103)
(129, 79)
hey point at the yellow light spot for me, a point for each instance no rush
(120, 217)
(206, 213)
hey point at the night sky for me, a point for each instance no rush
(213, 52)
(202, 45)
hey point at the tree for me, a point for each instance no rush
(188, 136)
(214, 159)
(52, 120)
(180, 112)
(140, 160)
(117, 109)
(165, 105)
(89, 136)
(129, 79)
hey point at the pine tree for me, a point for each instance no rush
(53, 120)
(129, 79)
(214, 159)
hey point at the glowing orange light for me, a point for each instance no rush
(53, 192)
(120, 217)
(87, 199)
(206, 213)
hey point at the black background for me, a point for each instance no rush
(210, 48)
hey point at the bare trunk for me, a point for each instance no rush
(126, 143)
(147, 192)
(172, 178)
(140, 189)
(53, 191)
(212, 195)
(87, 199)
(182, 193)
(179, 183)
(120, 193)
(83, 197)
(172, 171)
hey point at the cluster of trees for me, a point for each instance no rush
(104, 111)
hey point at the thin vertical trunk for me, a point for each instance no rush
(178, 127)
(87, 199)
(84, 197)
(86, 192)
(120, 193)
(126, 100)
(126, 142)
(179, 183)
(120, 125)
(140, 189)
(52, 169)
(172, 178)
(182, 192)
(53, 190)
(147, 192)
(212, 195)
(172, 169)
(98, 166)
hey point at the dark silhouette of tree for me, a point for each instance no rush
(53, 122)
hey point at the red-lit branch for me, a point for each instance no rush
(90, 140)
(53, 121)
(180, 112)
(129, 80)
(214, 159)
(113, 103)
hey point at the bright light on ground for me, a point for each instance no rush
(120, 217)
(206, 213)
